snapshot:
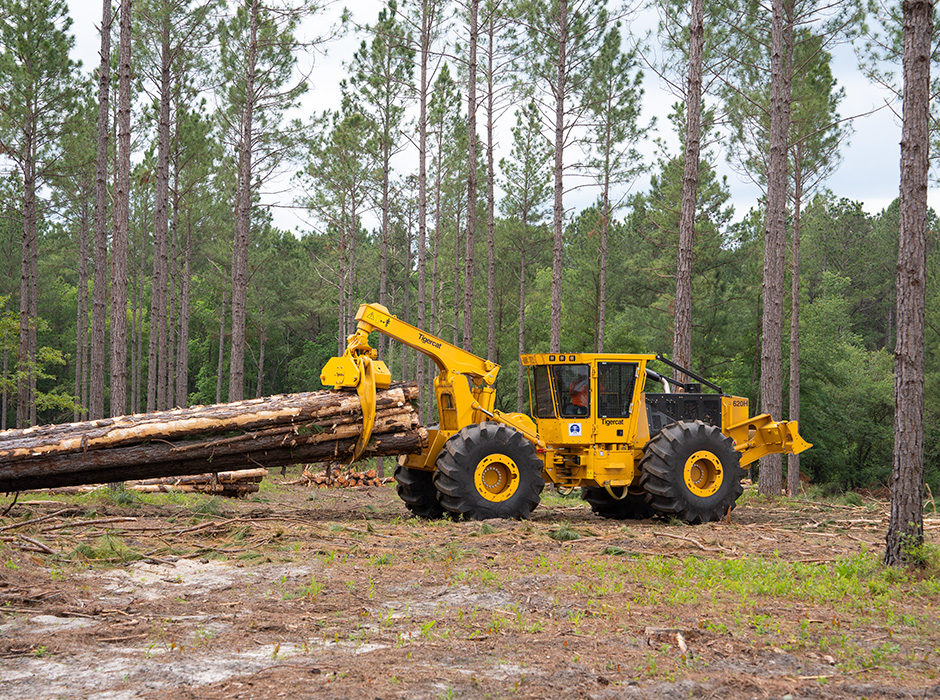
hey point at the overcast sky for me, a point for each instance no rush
(869, 170)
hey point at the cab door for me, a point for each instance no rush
(616, 401)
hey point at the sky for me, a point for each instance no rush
(868, 173)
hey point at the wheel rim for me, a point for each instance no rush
(703, 473)
(496, 478)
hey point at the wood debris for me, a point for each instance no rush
(335, 475)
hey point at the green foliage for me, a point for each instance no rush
(848, 394)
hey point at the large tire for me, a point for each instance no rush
(632, 506)
(416, 488)
(691, 471)
(489, 470)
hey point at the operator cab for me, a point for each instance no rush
(584, 398)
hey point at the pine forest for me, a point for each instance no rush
(483, 169)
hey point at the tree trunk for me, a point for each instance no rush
(30, 221)
(182, 356)
(25, 358)
(423, 58)
(456, 338)
(520, 373)
(156, 366)
(171, 296)
(906, 525)
(221, 367)
(490, 197)
(236, 379)
(770, 482)
(259, 378)
(4, 395)
(385, 223)
(559, 207)
(100, 288)
(287, 429)
(602, 285)
(470, 240)
(793, 460)
(682, 336)
(120, 239)
(81, 320)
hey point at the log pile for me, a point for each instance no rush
(335, 475)
(233, 484)
(319, 426)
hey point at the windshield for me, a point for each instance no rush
(573, 389)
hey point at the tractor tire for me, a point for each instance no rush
(632, 506)
(691, 471)
(416, 488)
(489, 470)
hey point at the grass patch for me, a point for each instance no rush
(108, 549)
(564, 533)
(311, 589)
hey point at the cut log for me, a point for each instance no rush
(263, 433)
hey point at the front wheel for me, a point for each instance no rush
(489, 470)
(690, 470)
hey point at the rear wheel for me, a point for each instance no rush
(416, 488)
(489, 470)
(623, 505)
(690, 470)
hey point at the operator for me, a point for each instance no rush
(579, 391)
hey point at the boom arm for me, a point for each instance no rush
(448, 357)
(358, 367)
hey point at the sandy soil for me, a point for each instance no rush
(337, 593)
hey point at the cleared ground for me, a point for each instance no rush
(337, 593)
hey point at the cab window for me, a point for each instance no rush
(573, 388)
(615, 382)
(544, 407)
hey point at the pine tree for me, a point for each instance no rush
(38, 89)
(561, 40)
(526, 183)
(258, 59)
(613, 98)
(382, 71)
(906, 526)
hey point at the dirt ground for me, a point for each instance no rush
(337, 593)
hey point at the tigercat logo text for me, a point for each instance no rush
(612, 421)
(429, 341)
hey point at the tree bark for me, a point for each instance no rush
(182, 356)
(559, 207)
(81, 319)
(682, 335)
(120, 239)
(520, 372)
(259, 378)
(221, 367)
(770, 482)
(100, 288)
(156, 368)
(490, 195)
(424, 51)
(906, 525)
(236, 380)
(470, 240)
(23, 360)
(793, 460)
(312, 426)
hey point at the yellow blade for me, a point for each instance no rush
(366, 391)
